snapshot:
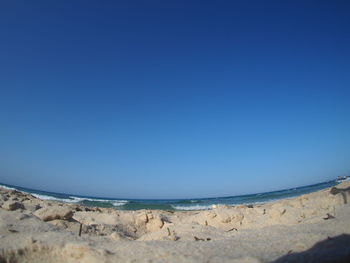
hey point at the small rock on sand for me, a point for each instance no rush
(12, 205)
(54, 212)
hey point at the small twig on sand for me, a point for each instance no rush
(202, 239)
(232, 229)
(80, 228)
(329, 216)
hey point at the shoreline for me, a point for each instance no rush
(34, 230)
(194, 204)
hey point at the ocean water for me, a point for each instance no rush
(174, 204)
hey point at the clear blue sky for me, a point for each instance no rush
(167, 99)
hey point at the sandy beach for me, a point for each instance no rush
(310, 228)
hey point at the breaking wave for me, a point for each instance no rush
(8, 188)
(51, 198)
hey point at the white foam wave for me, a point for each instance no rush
(80, 199)
(51, 198)
(8, 188)
(191, 207)
(114, 202)
(75, 199)
(119, 202)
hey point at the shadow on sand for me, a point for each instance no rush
(331, 250)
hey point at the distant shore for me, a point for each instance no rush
(313, 227)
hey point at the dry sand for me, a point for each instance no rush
(311, 228)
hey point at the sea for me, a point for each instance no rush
(174, 204)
